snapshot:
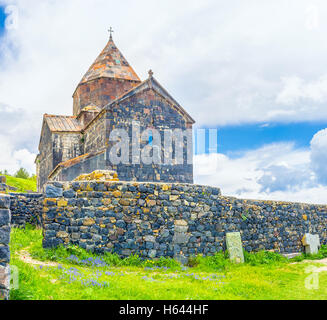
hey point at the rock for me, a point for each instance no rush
(181, 229)
(88, 222)
(181, 238)
(181, 223)
(234, 247)
(4, 254)
(99, 175)
(62, 203)
(69, 194)
(151, 203)
(152, 253)
(4, 202)
(311, 243)
(124, 202)
(4, 217)
(150, 238)
(62, 234)
(53, 192)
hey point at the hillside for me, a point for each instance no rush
(22, 185)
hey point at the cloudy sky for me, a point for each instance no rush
(254, 70)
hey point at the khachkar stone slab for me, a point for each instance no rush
(311, 243)
(234, 247)
(5, 218)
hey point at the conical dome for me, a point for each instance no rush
(109, 77)
(110, 64)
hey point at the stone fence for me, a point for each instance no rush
(4, 246)
(171, 220)
(26, 208)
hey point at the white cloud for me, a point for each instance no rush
(18, 139)
(221, 58)
(296, 89)
(226, 62)
(319, 155)
(275, 172)
(11, 159)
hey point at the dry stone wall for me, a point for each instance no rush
(26, 208)
(4, 246)
(171, 220)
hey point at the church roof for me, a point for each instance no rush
(110, 64)
(150, 83)
(71, 162)
(62, 123)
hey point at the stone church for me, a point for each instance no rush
(111, 96)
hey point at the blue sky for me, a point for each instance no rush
(236, 139)
(2, 20)
(245, 137)
(261, 84)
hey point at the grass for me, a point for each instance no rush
(22, 185)
(80, 275)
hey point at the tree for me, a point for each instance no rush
(22, 173)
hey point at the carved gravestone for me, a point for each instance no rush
(311, 243)
(234, 247)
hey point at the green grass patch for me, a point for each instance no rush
(81, 275)
(322, 254)
(22, 185)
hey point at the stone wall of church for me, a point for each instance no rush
(56, 148)
(4, 246)
(44, 162)
(94, 137)
(171, 220)
(150, 110)
(66, 146)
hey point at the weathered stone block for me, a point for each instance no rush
(53, 192)
(311, 243)
(181, 238)
(4, 202)
(4, 254)
(234, 247)
(88, 222)
(181, 223)
(4, 217)
(62, 234)
(5, 236)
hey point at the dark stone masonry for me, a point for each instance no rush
(111, 96)
(26, 208)
(171, 220)
(4, 246)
